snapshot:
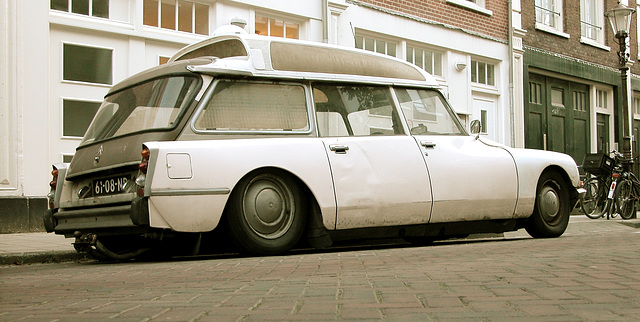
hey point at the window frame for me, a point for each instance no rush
(376, 38)
(89, 8)
(486, 74)
(62, 115)
(598, 24)
(285, 20)
(433, 52)
(558, 29)
(71, 81)
(209, 94)
(176, 14)
(475, 5)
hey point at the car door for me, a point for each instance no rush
(379, 175)
(471, 179)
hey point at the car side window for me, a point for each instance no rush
(254, 106)
(355, 110)
(427, 113)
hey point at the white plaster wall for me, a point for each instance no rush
(9, 144)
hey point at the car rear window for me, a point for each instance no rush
(152, 105)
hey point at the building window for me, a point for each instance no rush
(425, 59)
(277, 28)
(483, 121)
(482, 73)
(87, 64)
(592, 20)
(163, 60)
(549, 15)
(76, 116)
(580, 101)
(636, 105)
(601, 99)
(94, 8)
(376, 45)
(535, 93)
(180, 15)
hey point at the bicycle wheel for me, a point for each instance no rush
(592, 203)
(624, 199)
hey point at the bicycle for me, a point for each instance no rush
(627, 193)
(601, 169)
(611, 188)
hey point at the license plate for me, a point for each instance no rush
(109, 186)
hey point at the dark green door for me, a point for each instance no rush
(557, 116)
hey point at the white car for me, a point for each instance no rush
(268, 143)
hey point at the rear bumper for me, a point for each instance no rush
(113, 220)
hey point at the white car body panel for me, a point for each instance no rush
(531, 163)
(379, 181)
(470, 180)
(197, 203)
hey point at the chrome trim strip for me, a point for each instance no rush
(190, 192)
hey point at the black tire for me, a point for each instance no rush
(592, 204)
(624, 199)
(552, 207)
(266, 213)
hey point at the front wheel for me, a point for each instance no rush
(266, 213)
(552, 207)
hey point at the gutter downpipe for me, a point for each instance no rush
(512, 125)
(325, 21)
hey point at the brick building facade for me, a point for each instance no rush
(572, 85)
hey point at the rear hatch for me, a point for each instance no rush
(152, 106)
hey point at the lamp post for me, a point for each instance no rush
(620, 19)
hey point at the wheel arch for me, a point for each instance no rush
(566, 181)
(313, 212)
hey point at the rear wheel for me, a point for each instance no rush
(266, 213)
(592, 204)
(552, 207)
(625, 199)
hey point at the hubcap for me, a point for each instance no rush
(268, 206)
(549, 204)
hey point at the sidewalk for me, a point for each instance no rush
(31, 248)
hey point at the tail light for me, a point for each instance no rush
(53, 184)
(143, 167)
(615, 175)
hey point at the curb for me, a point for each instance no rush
(43, 258)
(635, 223)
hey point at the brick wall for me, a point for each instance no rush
(494, 26)
(572, 46)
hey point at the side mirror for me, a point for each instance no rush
(475, 127)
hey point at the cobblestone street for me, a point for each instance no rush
(591, 273)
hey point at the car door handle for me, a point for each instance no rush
(339, 149)
(427, 144)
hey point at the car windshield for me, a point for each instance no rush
(155, 104)
(427, 113)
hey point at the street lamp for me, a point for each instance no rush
(620, 19)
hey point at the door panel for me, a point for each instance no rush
(379, 181)
(470, 180)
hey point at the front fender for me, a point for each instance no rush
(531, 164)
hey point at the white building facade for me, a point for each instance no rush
(60, 57)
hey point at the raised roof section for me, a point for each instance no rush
(243, 54)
